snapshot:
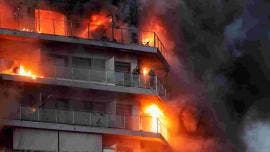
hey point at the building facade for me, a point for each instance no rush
(79, 85)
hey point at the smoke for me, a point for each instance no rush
(198, 129)
(257, 137)
(256, 127)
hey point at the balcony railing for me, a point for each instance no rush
(110, 78)
(93, 119)
(84, 30)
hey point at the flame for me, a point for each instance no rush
(50, 22)
(145, 71)
(156, 114)
(99, 20)
(148, 38)
(23, 72)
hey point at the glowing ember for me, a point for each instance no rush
(33, 109)
(23, 72)
(154, 111)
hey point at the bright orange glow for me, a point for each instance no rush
(156, 114)
(50, 22)
(148, 38)
(100, 20)
(145, 71)
(23, 72)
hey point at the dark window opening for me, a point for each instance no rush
(122, 67)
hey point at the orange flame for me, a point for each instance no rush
(50, 22)
(100, 20)
(23, 72)
(148, 38)
(156, 114)
(145, 71)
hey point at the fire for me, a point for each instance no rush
(50, 22)
(99, 20)
(145, 71)
(23, 72)
(156, 114)
(148, 38)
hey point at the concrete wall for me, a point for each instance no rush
(88, 52)
(82, 142)
(30, 139)
(45, 140)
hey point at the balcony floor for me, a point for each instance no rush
(142, 135)
(32, 36)
(79, 84)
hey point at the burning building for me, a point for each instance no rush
(84, 84)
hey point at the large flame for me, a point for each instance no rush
(24, 72)
(100, 20)
(156, 115)
(50, 22)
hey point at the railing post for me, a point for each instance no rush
(106, 77)
(72, 73)
(54, 72)
(123, 79)
(90, 118)
(56, 115)
(139, 80)
(18, 20)
(71, 33)
(0, 20)
(155, 39)
(112, 33)
(73, 117)
(140, 122)
(88, 31)
(38, 114)
(108, 120)
(20, 112)
(124, 122)
(89, 74)
(122, 39)
(53, 27)
(156, 84)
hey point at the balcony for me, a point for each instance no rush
(82, 30)
(143, 124)
(84, 78)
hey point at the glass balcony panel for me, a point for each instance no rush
(98, 76)
(82, 118)
(81, 74)
(63, 72)
(65, 116)
(29, 113)
(48, 115)
(99, 120)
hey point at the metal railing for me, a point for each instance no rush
(87, 75)
(84, 30)
(94, 119)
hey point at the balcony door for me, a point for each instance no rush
(81, 68)
(123, 76)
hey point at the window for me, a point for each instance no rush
(122, 67)
(59, 60)
(122, 109)
(98, 107)
(98, 64)
(81, 62)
